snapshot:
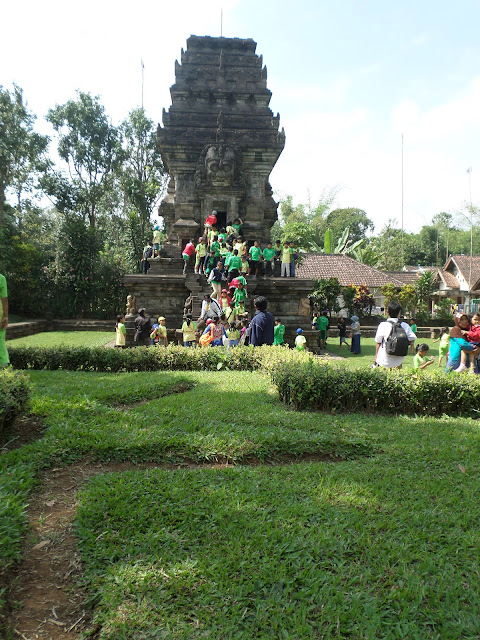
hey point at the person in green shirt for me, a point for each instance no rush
(278, 332)
(420, 361)
(413, 326)
(240, 295)
(300, 341)
(4, 358)
(321, 324)
(269, 257)
(235, 265)
(215, 246)
(201, 252)
(255, 254)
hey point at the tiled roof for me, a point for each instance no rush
(347, 270)
(449, 279)
(463, 264)
(407, 277)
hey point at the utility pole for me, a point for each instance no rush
(403, 250)
(143, 68)
(469, 171)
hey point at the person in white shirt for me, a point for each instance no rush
(382, 358)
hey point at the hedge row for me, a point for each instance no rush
(14, 396)
(319, 386)
(139, 359)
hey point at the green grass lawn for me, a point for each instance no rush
(70, 338)
(375, 535)
(368, 353)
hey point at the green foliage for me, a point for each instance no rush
(315, 385)
(90, 147)
(390, 291)
(14, 396)
(326, 292)
(22, 151)
(137, 359)
(358, 300)
(443, 311)
(407, 297)
(355, 219)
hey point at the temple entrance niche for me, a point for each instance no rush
(219, 141)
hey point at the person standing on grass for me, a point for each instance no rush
(262, 324)
(142, 328)
(382, 358)
(189, 327)
(413, 327)
(342, 331)
(355, 328)
(444, 344)
(120, 332)
(4, 358)
(321, 324)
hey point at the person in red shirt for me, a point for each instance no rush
(472, 336)
(187, 252)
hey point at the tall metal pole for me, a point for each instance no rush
(143, 67)
(403, 250)
(469, 171)
(221, 22)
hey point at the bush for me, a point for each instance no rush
(314, 385)
(14, 396)
(138, 359)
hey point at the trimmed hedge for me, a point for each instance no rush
(14, 396)
(319, 386)
(138, 359)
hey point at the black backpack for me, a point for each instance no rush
(397, 342)
(148, 252)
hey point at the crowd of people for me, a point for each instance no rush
(226, 249)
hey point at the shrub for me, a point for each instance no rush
(315, 385)
(14, 395)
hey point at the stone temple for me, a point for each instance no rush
(219, 141)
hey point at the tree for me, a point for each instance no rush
(355, 219)
(407, 297)
(90, 146)
(424, 287)
(22, 151)
(390, 292)
(326, 293)
(358, 299)
(142, 174)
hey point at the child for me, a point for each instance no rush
(237, 225)
(419, 360)
(278, 332)
(162, 331)
(186, 254)
(294, 257)
(472, 336)
(269, 257)
(413, 327)
(286, 259)
(444, 344)
(157, 238)
(255, 254)
(188, 329)
(300, 341)
(342, 332)
(147, 253)
(120, 332)
(278, 250)
(244, 332)
(224, 300)
(233, 335)
(201, 251)
(240, 295)
(154, 334)
(231, 313)
(245, 266)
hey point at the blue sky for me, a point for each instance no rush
(347, 77)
